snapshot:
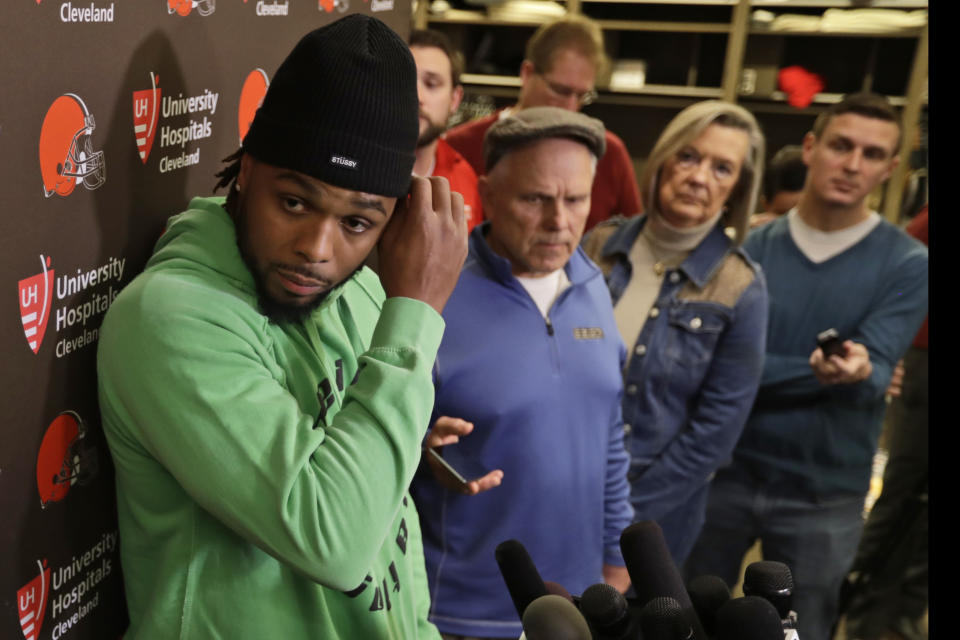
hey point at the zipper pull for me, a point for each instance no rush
(549, 327)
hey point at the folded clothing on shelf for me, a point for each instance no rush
(850, 21)
(525, 10)
(872, 20)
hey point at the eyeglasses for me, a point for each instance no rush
(565, 93)
(723, 171)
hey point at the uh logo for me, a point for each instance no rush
(36, 294)
(32, 603)
(146, 107)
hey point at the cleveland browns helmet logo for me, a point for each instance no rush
(328, 6)
(66, 151)
(65, 459)
(251, 97)
(183, 7)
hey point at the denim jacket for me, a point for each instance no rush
(695, 367)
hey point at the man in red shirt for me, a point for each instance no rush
(563, 60)
(439, 67)
(888, 587)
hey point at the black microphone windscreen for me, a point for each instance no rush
(650, 564)
(708, 594)
(748, 618)
(771, 580)
(663, 619)
(553, 617)
(653, 572)
(606, 610)
(523, 580)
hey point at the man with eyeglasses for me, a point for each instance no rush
(563, 60)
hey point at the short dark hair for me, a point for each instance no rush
(786, 171)
(438, 39)
(870, 105)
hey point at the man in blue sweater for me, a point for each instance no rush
(802, 467)
(530, 367)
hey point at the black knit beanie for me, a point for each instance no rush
(343, 108)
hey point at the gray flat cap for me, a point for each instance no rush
(537, 123)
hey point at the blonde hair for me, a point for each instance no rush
(685, 127)
(575, 32)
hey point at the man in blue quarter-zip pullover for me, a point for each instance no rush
(802, 467)
(530, 367)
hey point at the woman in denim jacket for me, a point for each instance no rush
(694, 307)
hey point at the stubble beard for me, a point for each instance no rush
(276, 311)
(432, 133)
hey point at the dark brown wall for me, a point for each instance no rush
(60, 568)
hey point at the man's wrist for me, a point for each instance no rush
(407, 322)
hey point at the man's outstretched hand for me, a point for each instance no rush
(447, 430)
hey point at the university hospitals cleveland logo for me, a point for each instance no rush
(251, 97)
(176, 122)
(84, 298)
(85, 13)
(66, 150)
(32, 602)
(72, 587)
(36, 297)
(146, 111)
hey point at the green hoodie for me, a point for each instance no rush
(262, 469)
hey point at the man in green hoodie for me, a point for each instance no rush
(263, 395)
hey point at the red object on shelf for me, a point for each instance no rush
(800, 85)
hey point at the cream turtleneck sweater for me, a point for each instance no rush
(659, 247)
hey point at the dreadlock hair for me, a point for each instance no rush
(228, 177)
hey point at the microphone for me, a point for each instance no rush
(607, 612)
(748, 618)
(664, 619)
(773, 581)
(652, 571)
(523, 580)
(553, 617)
(708, 594)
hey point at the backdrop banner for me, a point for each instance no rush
(112, 116)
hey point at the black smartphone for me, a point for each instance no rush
(830, 343)
(452, 473)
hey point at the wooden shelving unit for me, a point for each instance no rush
(705, 45)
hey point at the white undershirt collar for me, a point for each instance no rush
(545, 289)
(819, 246)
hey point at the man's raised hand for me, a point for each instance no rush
(424, 245)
